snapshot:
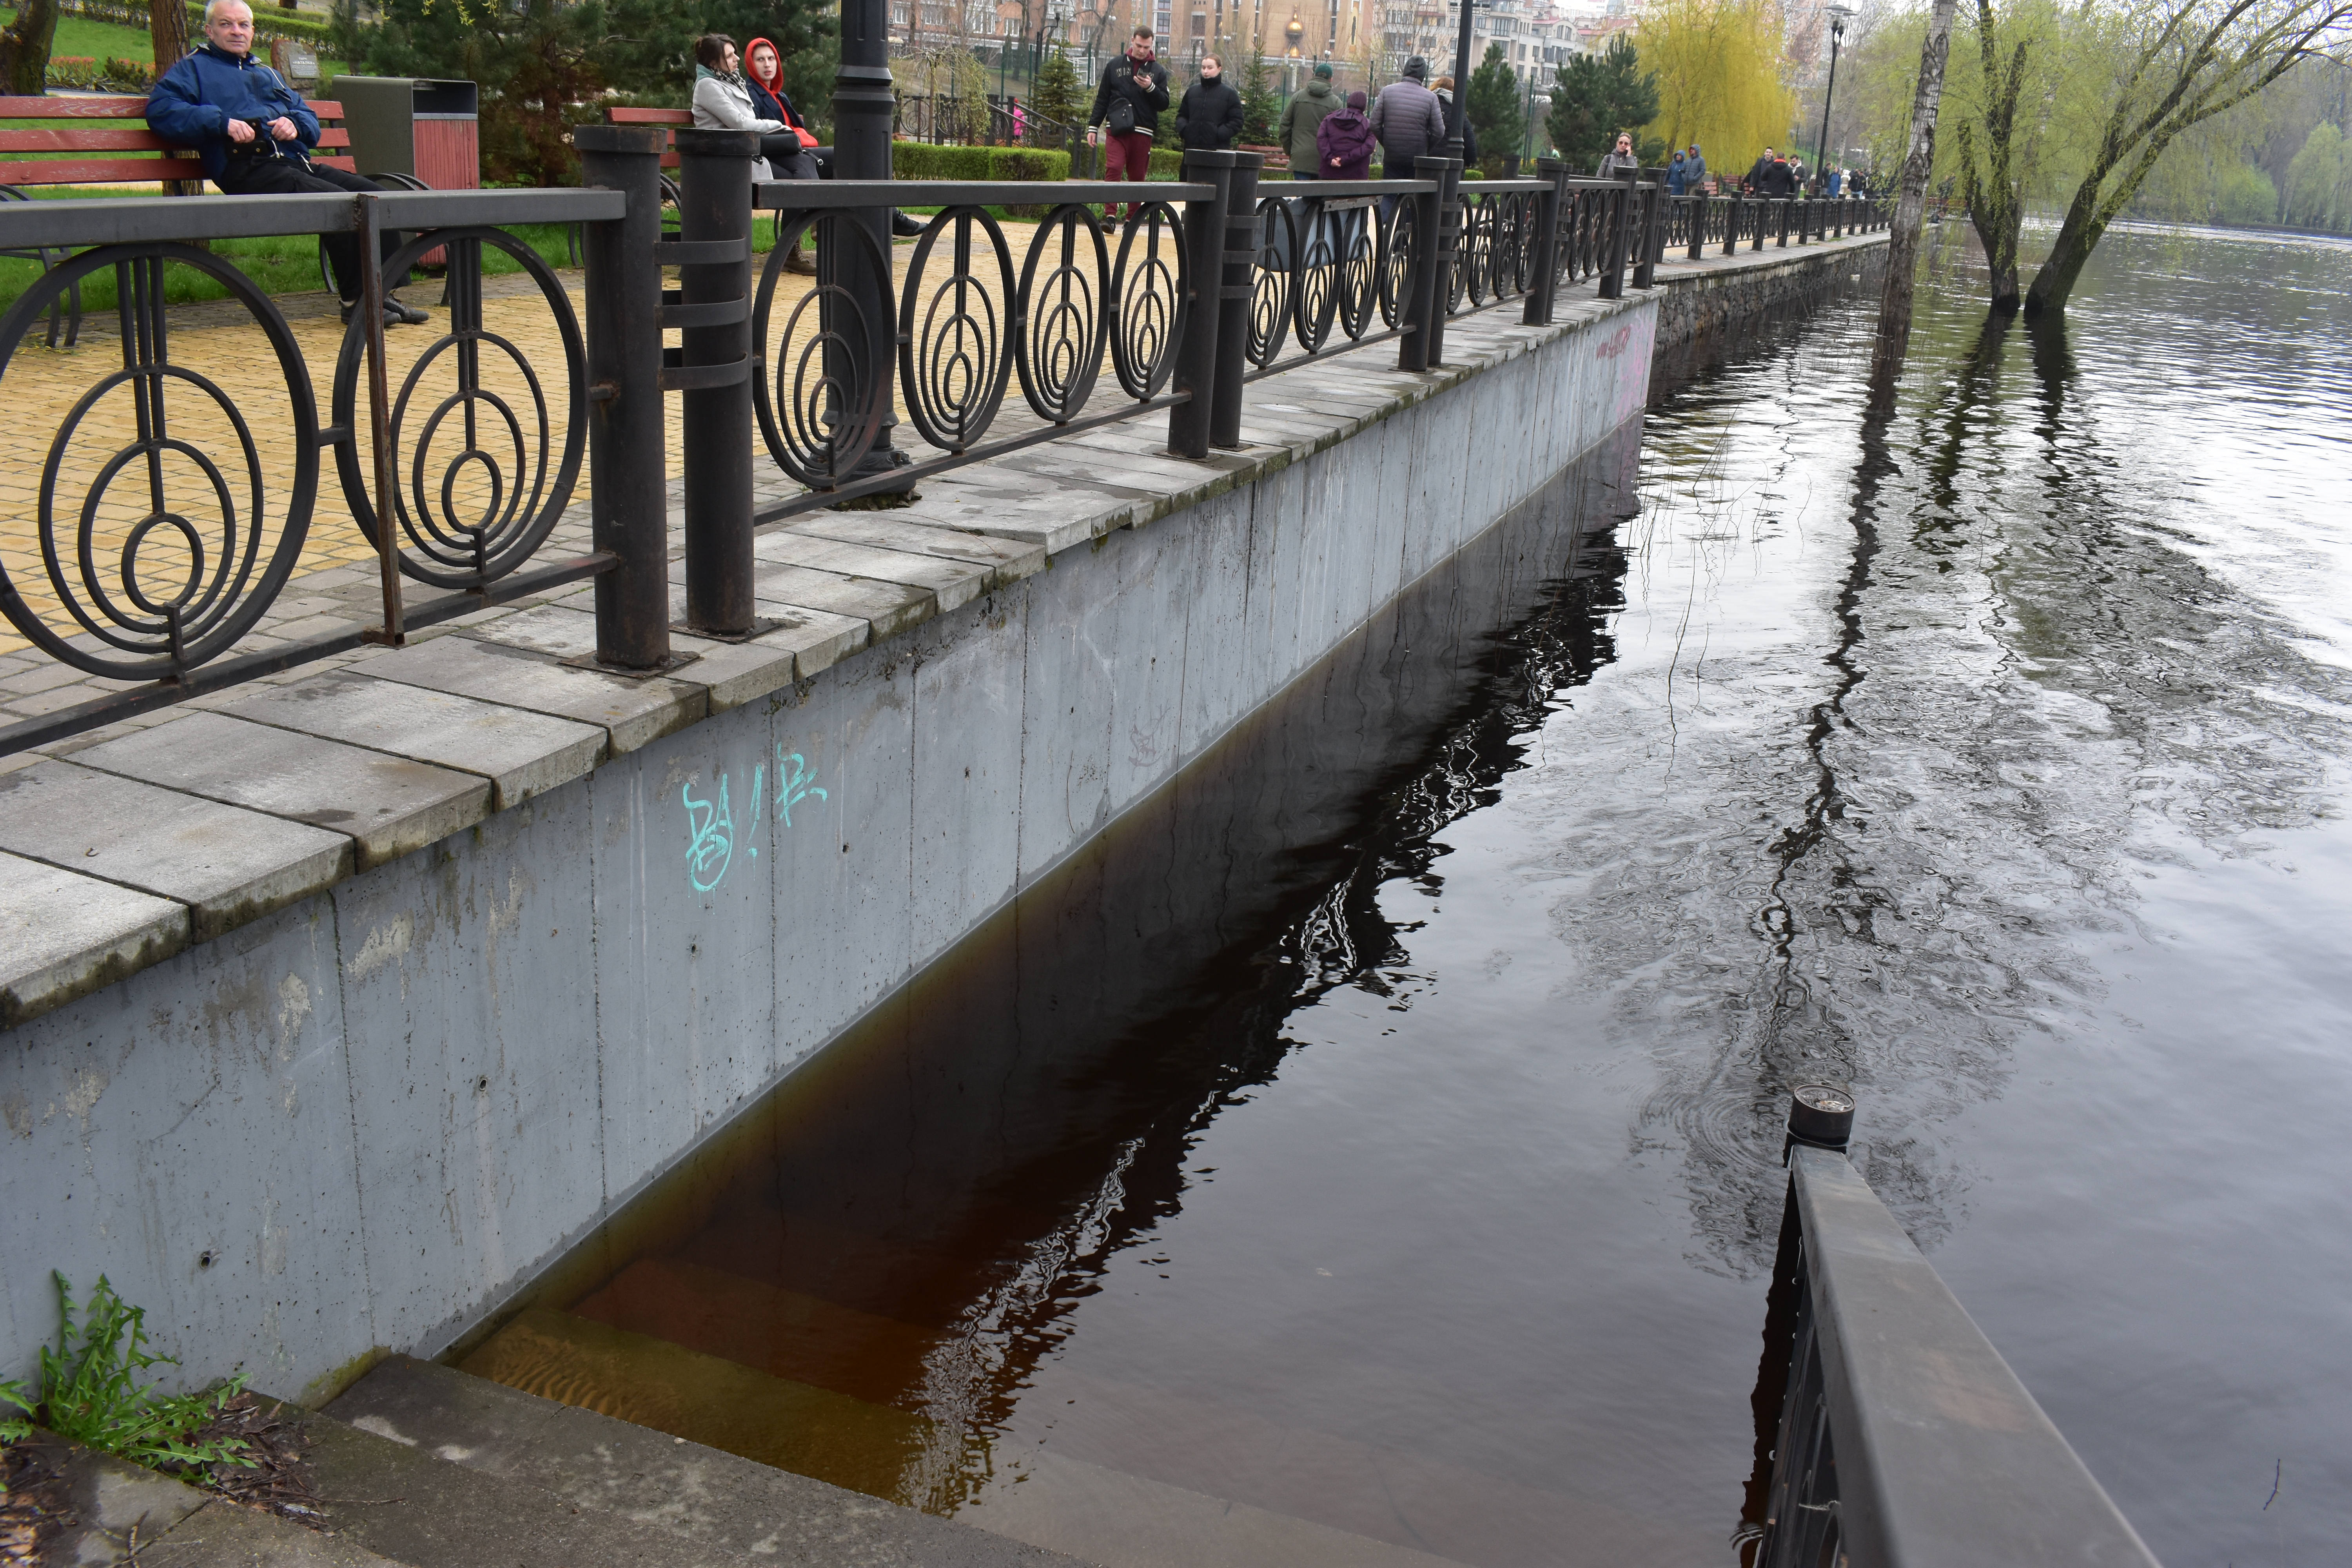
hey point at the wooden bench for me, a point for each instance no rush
(104, 140)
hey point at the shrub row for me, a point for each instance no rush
(108, 74)
(921, 161)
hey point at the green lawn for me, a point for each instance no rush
(78, 36)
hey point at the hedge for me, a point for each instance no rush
(921, 161)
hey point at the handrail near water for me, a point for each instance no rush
(1902, 1438)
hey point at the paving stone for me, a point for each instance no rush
(889, 609)
(522, 752)
(632, 712)
(1007, 561)
(228, 865)
(390, 805)
(732, 673)
(956, 583)
(64, 935)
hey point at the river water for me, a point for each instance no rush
(1382, 1130)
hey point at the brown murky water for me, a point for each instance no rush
(1366, 1154)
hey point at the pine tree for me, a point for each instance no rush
(1056, 96)
(1598, 95)
(1261, 105)
(1493, 106)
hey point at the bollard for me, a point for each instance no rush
(1196, 355)
(1239, 272)
(1541, 298)
(628, 511)
(1424, 298)
(713, 313)
(1620, 240)
(1820, 1114)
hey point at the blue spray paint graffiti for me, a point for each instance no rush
(710, 825)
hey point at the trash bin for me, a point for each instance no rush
(417, 126)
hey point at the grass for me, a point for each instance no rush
(92, 1390)
(103, 40)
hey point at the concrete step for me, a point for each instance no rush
(484, 1474)
(653, 1381)
(127, 1513)
(929, 1279)
(786, 1333)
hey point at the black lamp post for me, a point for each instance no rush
(1838, 14)
(1458, 105)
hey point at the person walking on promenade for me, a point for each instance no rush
(1409, 122)
(1694, 170)
(1302, 117)
(1621, 158)
(1780, 181)
(1754, 181)
(1677, 175)
(1210, 116)
(1443, 89)
(1127, 101)
(254, 135)
(1834, 182)
(1343, 142)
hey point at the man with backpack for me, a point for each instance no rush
(1127, 101)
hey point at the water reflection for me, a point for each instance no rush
(1378, 1134)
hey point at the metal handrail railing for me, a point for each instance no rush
(1903, 1436)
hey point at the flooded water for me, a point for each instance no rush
(1375, 1139)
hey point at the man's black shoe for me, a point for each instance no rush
(395, 311)
(904, 227)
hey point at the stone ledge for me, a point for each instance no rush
(142, 842)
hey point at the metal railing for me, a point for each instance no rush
(456, 477)
(1902, 1436)
(139, 583)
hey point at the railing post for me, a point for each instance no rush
(1784, 203)
(713, 313)
(1653, 239)
(1763, 220)
(1204, 248)
(1239, 273)
(1620, 239)
(1424, 308)
(628, 508)
(1541, 298)
(1731, 224)
(1701, 205)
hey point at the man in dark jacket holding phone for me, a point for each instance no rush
(1127, 101)
(254, 134)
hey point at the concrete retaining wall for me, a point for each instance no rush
(364, 1119)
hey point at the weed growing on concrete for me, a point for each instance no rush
(91, 1390)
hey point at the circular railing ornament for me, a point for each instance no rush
(821, 390)
(1059, 320)
(161, 581)
(486, 509)
(1395, 264)
(1270, 281)
(954, 359)
(1148, 295)
(1318, 281)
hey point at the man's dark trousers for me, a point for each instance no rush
(249, 174)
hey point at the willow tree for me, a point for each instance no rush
(1720, 65)
(2175, 65)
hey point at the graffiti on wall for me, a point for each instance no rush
(712, 839)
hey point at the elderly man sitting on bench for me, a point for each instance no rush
(254, 134)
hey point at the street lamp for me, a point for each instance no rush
(1538, 102)
(1838, 14)
(1459, 104)
(863, 106)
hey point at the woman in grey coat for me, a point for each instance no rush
(721, 101)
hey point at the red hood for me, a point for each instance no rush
(775, 83)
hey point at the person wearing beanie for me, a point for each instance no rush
(1343, 142)
(1301, 118)
(1409, 122)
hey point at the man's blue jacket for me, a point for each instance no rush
(192, 104)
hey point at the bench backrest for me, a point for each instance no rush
(112, 131)
(673, 118)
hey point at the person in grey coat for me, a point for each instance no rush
(1621, 158)
(1409, 123)
(721, 99)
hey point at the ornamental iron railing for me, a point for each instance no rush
(174, 499)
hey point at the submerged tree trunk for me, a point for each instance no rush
(167, 25)
(1996, 203)
(24, 48)
(1911, 206)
